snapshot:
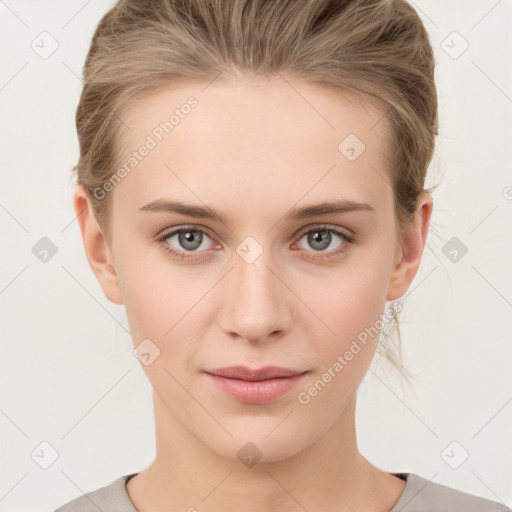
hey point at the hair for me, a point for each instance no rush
(376, 49)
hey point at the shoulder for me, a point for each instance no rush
(422, 495)
(110, 498)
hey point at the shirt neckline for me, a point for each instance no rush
(411, 481)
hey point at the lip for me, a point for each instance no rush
(249, 374)
(255, 386)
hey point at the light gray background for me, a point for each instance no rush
(69, 377)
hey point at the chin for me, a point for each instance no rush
(251, 446)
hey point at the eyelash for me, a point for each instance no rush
(321, 255)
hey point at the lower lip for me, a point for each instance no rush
(256, 392)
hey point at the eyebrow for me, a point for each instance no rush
(205, 212)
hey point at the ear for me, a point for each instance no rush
(96, 248)
(411, 250)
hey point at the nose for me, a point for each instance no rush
(257, 305)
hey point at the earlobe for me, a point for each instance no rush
(96, 248)
(411, 249)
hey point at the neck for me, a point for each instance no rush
(330, 474)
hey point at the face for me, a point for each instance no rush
(260, 285)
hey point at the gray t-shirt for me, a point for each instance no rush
(419, 495)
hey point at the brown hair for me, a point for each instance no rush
(378, 49)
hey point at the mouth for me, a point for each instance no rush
(256, 386)
(249, 374)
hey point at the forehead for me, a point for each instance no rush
(260, 138)
(304, 109)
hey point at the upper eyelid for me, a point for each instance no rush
(301, 231)
(166, 234)
(325, 227)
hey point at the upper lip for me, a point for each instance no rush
(244, 373)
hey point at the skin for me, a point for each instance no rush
(254, 150)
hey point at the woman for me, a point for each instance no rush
(251, 188)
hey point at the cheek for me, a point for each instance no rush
(165, 304)
(348, 308)
(156, 295)
(161, 308)
(351, 306)
(349, 299)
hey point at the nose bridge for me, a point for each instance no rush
(256, 306)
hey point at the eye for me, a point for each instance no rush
(190, 240)
(187, 239)
(322, 237)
